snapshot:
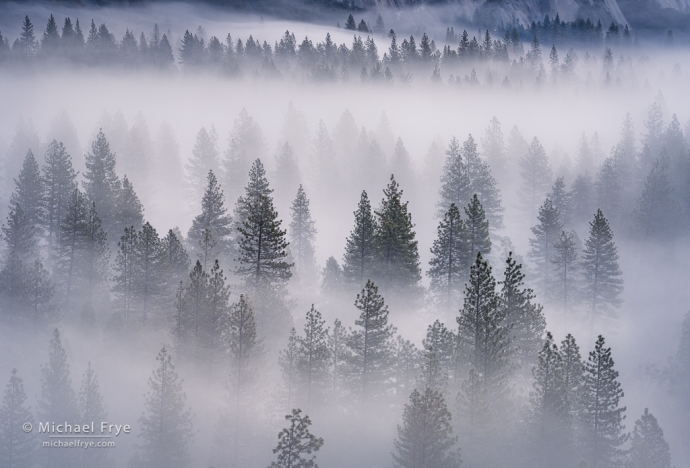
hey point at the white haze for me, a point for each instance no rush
(656, 276)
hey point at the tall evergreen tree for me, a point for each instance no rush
(482, 327)
(302, 232)
(59, 181)
(125, 267)
(257, 186)
(494, 148)
(314, 357)
(561, 200)
(101, 183)
(360, 247)
(288, 360)
(27, 43)
(149, 268)
(287, 174)
(603, 416)
(524, 317)
(601, 281)
(39, 292)
(58, 401)
(92, 409)
(16, 446)
(609, 193)
(28, 193)
(657, 214)
(549, 412)
(71, 239)
(166, 424)
(128, 209)
(371, 344)
(204, 159)
(213, 220)
(542, 245)
(649, 447)
(565, 265)
(425, 438)
(536, 177)
(450, 258)
(397, 256)
(295, 442)
(477, 229)
(19, 234)
(582, 198)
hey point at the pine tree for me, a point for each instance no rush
(371, 344)
(166, 425)
(287, 174)
(524, 317)
(573, 374)
(561, 200)
(340, 357)
(213, 220)
(542, 245)
(582, 198)
(360, 247)
(96, 253)
(332, 276)
(302, 232)
(176, 260)
(39, 294)
(609, 194)
(536, 177)
(287, 360)
(13, 286)
(19, 234)
(482, 183)
(190, 312)
(649, 448)
(28, 45)
(406, 367)
(58, 401)
(92, 409)
(474, 415)
(477, 229)
(246, 146)
(204, 159)
(129, 211)
(262, 246)
(482, 328)
(494, 148)
(657, 215)
(149, 268)
(549, 412)
(125, 268)
(426, 436)
(401, 165)
(566, 266)
(72, 237)
(448, 265)
(454, 181)
(28, 193)
(295, 441)
(16, 446)
(442, 343)
(102, 184)
(397, 258)
(314, 356)
(59, 181)
(601, 282)
(603, 415)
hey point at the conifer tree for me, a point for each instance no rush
(302, 232)
(125, 268)
(19, 234)
(494, 148)
(657, 214)
(262, 246)
(16, 446)
(71, 239)
(332, 276)
(295, 442)
(287, 174)
(566, 266)
(442, 342)
(176, 258)
(27, 43)
(102, 184)
(542, 245)
(92, 409)
(371, 344)
(96, 254)
(602, 414)
(601, 281)
(360, 247)
(246, 146)
(148, 270)
(482, 328)
(257, 186)
(397, 257)
(482, 183)
(474, 415)
(573, 372)
(204, 159)
(425, 438)
(214, 218)
(39, 292)
(582, 198)
(448, 265)
(549, 413)
(58, 401)
(59, 181)
(609, 193)
(129, 211)
(287, 360)
(477, 229)
(166, 424)
(402, 167)
(536, 177)
(314, 356)
(13, 287)
(216, 318)
(649, 447)
(454, 181)
(340, 357)
(28, 193)
(524, 317)
(561, 200)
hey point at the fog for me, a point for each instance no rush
(151, 118)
